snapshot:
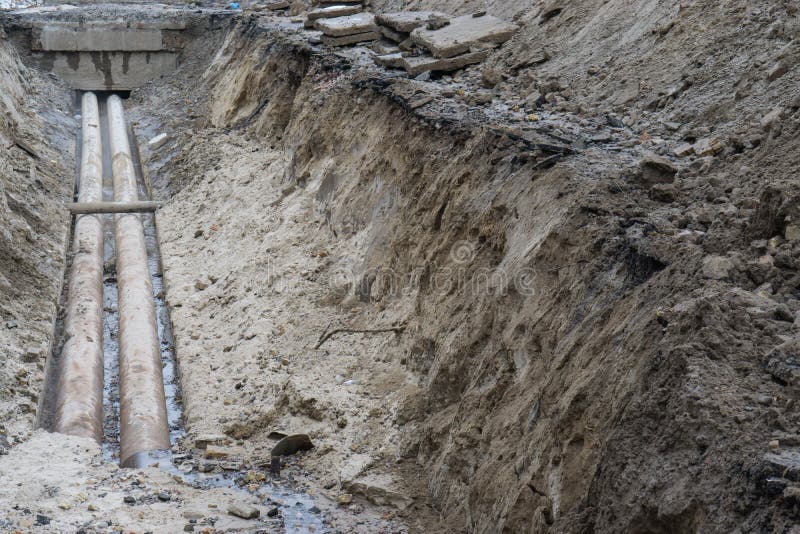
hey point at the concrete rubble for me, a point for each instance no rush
(453, 43)
(416, 41)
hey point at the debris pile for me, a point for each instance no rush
(430, 41)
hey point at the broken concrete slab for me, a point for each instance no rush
(463, 34)
(407, 21)
(394, 61)
(419, 64)
(393, 35)
(349, 39)
(350, 25)
(330, 12)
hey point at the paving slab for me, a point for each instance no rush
(463, 34)
(416, 65)
(406, 21)
(345, 40)
(330, 12)
(350, 25)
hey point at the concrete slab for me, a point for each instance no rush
(330, 12)
(350, 25)
(394, 61)
(406, 21)
(462, 34)
(111, 71)
(60, 39)
(349, 39)
(416, 65)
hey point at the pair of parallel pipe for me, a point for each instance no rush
(79, 398)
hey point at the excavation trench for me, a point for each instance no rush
(115, 378)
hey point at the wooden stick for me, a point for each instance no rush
(328, 334)
(141, 206)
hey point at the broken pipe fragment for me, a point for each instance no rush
(292, 444)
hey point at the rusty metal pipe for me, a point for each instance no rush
(142, 206)
(79, 396)
(143, 410)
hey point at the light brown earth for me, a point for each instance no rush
(605, 342)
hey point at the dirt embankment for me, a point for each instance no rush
(599, 345)
(36, 177)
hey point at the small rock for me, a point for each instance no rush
(708, 147)
(683, 150)
(32, 354)
(778, 70)
(193, 514)
(157, 141)
(128, 499)
(656, 170)
(491, 77)
(717, 267)
(770, 119)
(64, 505)
(663, 193)
(188, 528)
(200, 285)
(774, 445)
(11, 324)
(273, 512)
(201, 442)
(164, 496)
(245, 511)
(792, 232)
(92, 508)
(222, 453)
(344, 499)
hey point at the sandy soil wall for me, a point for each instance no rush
(36, 178)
